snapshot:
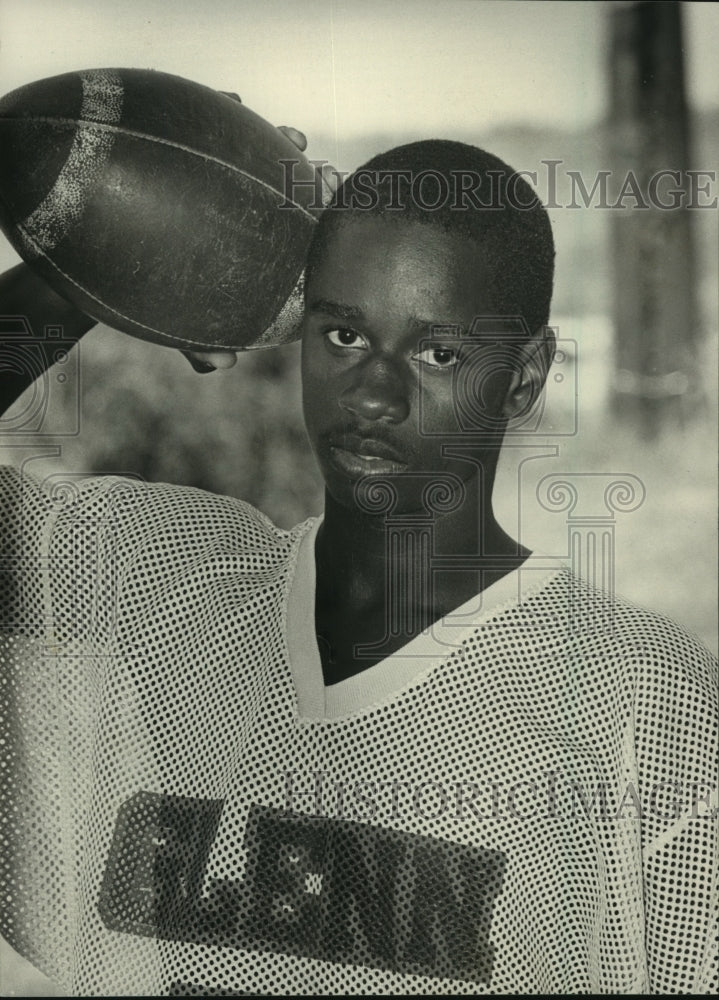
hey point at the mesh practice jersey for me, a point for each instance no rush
(516, 801)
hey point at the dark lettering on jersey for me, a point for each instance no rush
(313, 886)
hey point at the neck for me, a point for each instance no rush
(436, 561)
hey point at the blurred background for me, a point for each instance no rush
(592, 85)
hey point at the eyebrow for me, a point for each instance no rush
(431, 328)
(338, 309)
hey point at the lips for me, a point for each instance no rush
(361, 456)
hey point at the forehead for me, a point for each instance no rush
(402, 267)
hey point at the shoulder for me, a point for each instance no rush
(184, 528)
(123, 514)
(604, 645)
(594, 617)
(635, 682)
(663, 667)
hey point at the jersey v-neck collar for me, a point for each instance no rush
(409, 664)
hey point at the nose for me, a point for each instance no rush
(377, 392)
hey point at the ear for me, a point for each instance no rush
(528, 379)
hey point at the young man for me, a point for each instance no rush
(388, 751)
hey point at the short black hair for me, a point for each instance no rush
(465, 190)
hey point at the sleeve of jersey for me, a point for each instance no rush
(70, 547)
(676, 746)
(61, 548)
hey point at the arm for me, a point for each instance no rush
(676, 743)
(23, 294)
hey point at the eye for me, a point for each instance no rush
(344, 337)
(438, 356)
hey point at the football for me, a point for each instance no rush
(159, 206)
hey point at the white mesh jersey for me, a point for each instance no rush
(517, 802)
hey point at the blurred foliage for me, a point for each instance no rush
(144, 411)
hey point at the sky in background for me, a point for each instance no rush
(350, 67)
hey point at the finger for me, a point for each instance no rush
(295, 136)
(199, 366)
(218, 359)
(330, 177)
(210, 361)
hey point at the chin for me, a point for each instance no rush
(427, 495)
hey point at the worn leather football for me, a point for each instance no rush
(159, 206)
